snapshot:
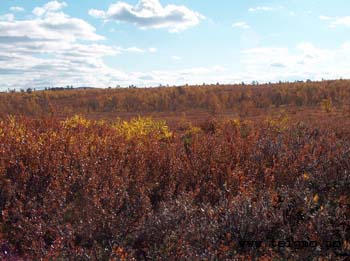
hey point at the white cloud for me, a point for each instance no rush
(305, 61)
(176, 58)
(49, 7)
(336, 21)
(53, 25)
(134, 50)
(195, 75)
(97, 13)
(325, 18)
(311, 51)
(341, 21)
(16, 9)
(261, 8)
(241, 25)
(151, 14)
(55, 49)
(7, 17)
(81, 65)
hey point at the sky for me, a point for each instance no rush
(171, 42)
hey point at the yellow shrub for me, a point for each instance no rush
(280, 123)
(236, 122)
(16, 129)
(76, 120)
(143, 126)
(327, 105)
(193, 130)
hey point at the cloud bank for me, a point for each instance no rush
(55, 49)
(304, 61)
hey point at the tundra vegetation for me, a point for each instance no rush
(234, 172)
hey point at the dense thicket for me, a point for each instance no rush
(239, 98)
(89, 190)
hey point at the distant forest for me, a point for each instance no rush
(212, 98)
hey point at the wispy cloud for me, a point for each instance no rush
(336, 21)
(134, 50)
(16, 9)
(262, 8)
(278, 65)
(304, 61)
(324, 18)
(176, 58)
(241, 25)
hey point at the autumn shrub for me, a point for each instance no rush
(327, 105)
(243, 100)
(135, 190)
(143, 126)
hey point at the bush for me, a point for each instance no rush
(82, 189)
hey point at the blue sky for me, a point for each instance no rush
(149, 42)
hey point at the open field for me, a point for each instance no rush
(217, 172)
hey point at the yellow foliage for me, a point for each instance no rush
(243, 126)
(306, 176)
(193, 130)
(143, 126)
(236, 122)
(327, 105)
(316, 198)
(280, 123)
(17, 128)
(76, 120)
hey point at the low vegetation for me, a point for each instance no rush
(243, 171)
(229, 188)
